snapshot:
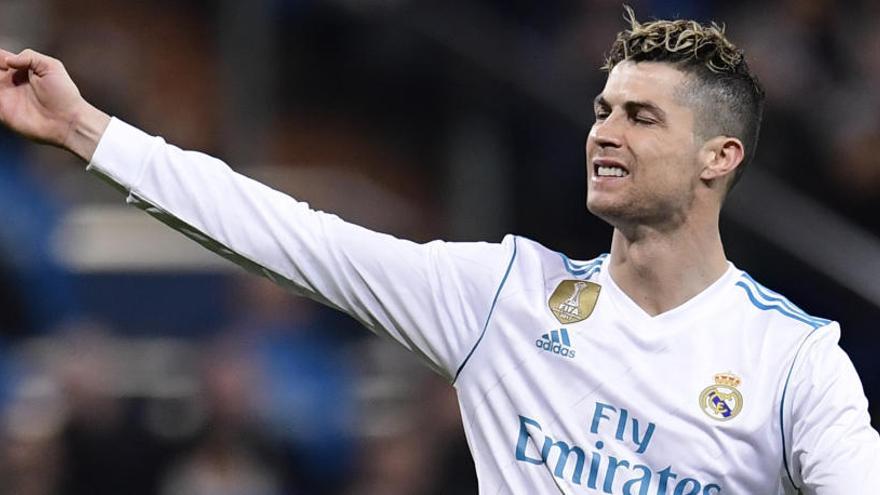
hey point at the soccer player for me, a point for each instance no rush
(660, 368)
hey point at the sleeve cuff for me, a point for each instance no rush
(122, 153)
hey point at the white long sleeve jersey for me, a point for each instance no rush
(565, 385)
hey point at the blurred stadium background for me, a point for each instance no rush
(133, 362)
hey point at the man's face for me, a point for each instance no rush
(642, 164)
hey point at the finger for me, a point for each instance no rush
(29, 60)
(3, 56)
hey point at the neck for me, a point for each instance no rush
(660, 269)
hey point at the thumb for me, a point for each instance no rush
(29, 60)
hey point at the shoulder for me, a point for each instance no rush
(534, 257)
(772, 308)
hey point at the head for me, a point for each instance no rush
(676, 123)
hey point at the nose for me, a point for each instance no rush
(607, 133)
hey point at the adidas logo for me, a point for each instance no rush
(557, 342)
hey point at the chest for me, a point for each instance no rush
(587, 386)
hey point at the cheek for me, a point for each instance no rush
(664, 167)
(590, 142)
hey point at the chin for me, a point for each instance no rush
(609, 211)
(621, 213)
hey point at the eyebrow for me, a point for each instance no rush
(632, 106)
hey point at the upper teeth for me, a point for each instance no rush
(612, 171)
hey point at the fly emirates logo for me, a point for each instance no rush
(603, 473)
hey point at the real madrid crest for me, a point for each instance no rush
(722, 401)
(574, 300)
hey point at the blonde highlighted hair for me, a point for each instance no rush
(675, 40)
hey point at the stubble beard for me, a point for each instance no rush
(630, 214)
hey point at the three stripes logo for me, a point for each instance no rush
(557, 342)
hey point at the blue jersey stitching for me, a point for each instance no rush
(782, 409)
(813, 322)
(772, 296)
(589, 268)
(491, 310)
(786, 308)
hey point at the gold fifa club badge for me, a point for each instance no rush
(722, 401)
(574, 300)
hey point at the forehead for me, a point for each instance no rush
(644, 81)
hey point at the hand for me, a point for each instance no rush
(39, 101)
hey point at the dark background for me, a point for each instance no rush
(132, 362)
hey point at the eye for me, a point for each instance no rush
(601, 113)
(641, 119)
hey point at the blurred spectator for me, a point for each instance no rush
(31, 453)
(279, 394)
(107, 448)
(229, 457)
(411, 427)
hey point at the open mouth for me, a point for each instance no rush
(611, 172)
(605, 167)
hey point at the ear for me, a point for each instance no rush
(720, 157)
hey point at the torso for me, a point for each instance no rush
(591, 395)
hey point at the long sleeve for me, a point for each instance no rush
(432, 298)
(834, 449)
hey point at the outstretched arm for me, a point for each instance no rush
(39, 101)
(434, 299)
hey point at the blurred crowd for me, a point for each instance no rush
(461, 120)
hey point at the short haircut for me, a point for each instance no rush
(725, 95)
